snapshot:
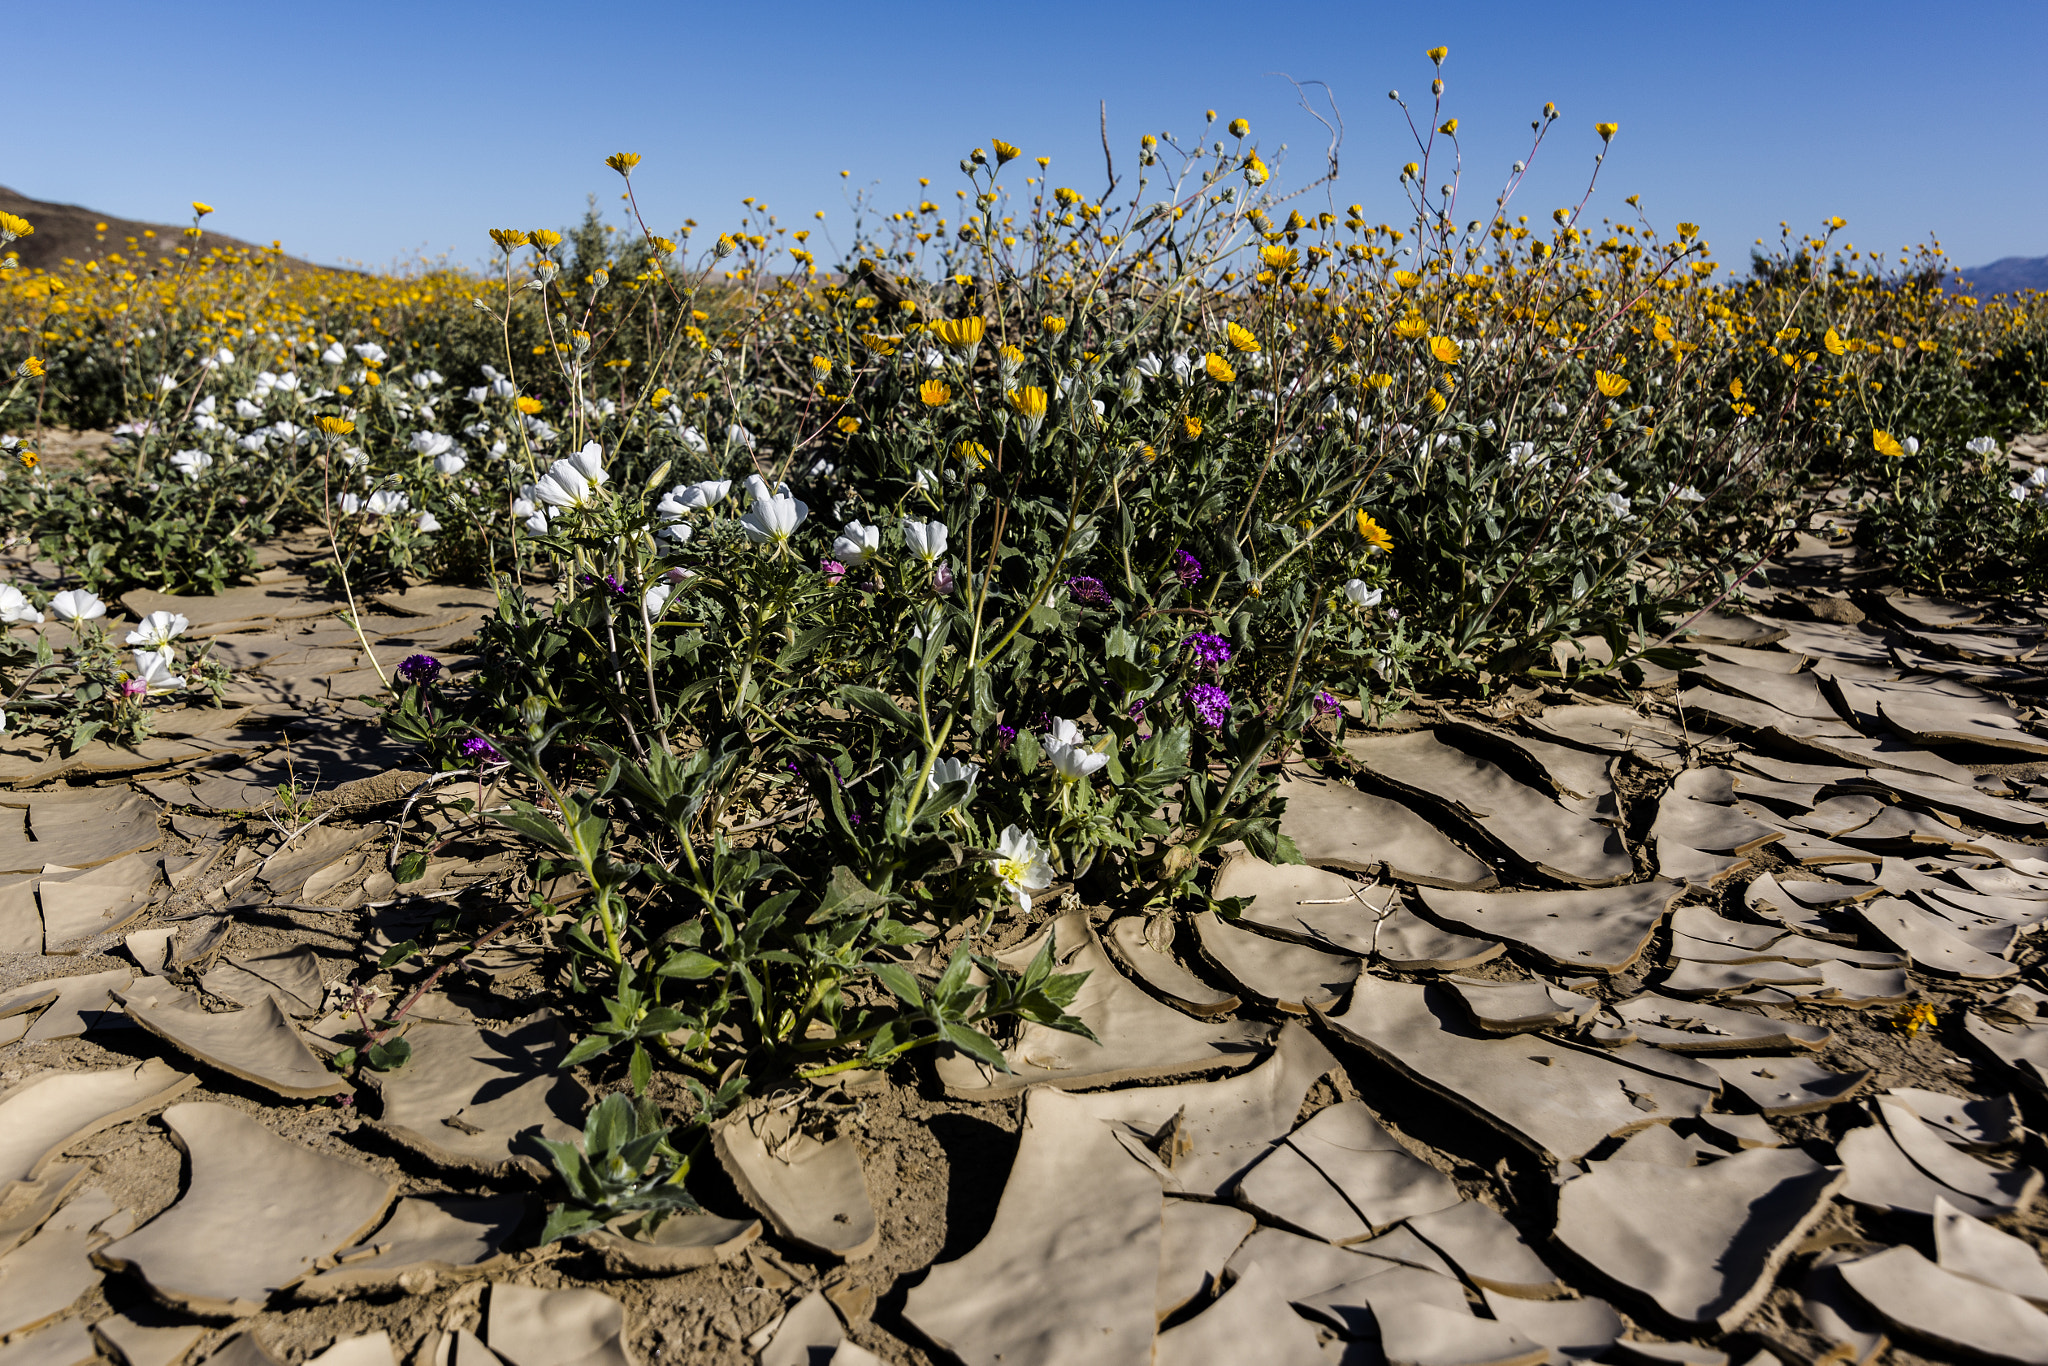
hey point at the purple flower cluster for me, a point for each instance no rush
(1213, 651)
(419, 670)
(1088, 591)
(1211, 704)
(1186, 567)
(478, 750)
(1326, 703)
(1005, 737)
(609, 583)
(1137, 708)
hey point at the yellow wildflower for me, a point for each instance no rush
(1886, 444)
(848, 425)
(1241, 339)
(1376, 536)
(623, 162)
(1218, 368)
(1610, 385)
(1834, 343)
(1607, 131)
(1445, 349)
(936, 393)
(1028, 402)
(334, 426)
(1053, 326)
(972, 453)
(1411, 327)
(1192, 425)
(12, 226)
(1004, 151)
(526, 405)
(545, 238)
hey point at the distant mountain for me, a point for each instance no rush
(2004, 276)
(67, 232)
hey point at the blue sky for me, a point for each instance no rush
(376, 132)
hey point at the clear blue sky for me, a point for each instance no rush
(373, 132)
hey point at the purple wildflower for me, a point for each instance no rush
(609, 583)
(1212, 650)
(1088, 591)
(419, 670)
(1005, 737)
(480, 751)
(943, 581)
(1186, 567)
(1210, 702)
(1326, 703)
(1137, 708)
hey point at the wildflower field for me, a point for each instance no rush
(845, 630)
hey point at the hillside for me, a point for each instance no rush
(69, 232)
(2007, 274)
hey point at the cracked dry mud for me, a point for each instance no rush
(1578, 1037)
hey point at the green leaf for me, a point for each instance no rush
(566, 1221)
(411, 868)
(388, 1056)
(586, 1048)
(397, 954)
(689, 965)
(877, 704)
(642, 1069)
(902, 983)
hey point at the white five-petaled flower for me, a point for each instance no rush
(1020, 865)
(77, 604)
(191, 464)
(1688, 494)
(927, 540)
(15, 606)
(1361, 594)
(536, 517)
(656, 597)
(1982, 445)
(334, 355)
(1069, 752)
(1149, 366)
(1620, 506)
(386, 502)
(429, 522)
(739, 436)
(450, 463)
(856, 542)
(685, 498)
(432, 443)
(157, 630)
(955, 771)
(773, 519)
(757, 489)
(153, 671)
(372, 352)
(694, 441)
(565, 485)
(590, 463)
